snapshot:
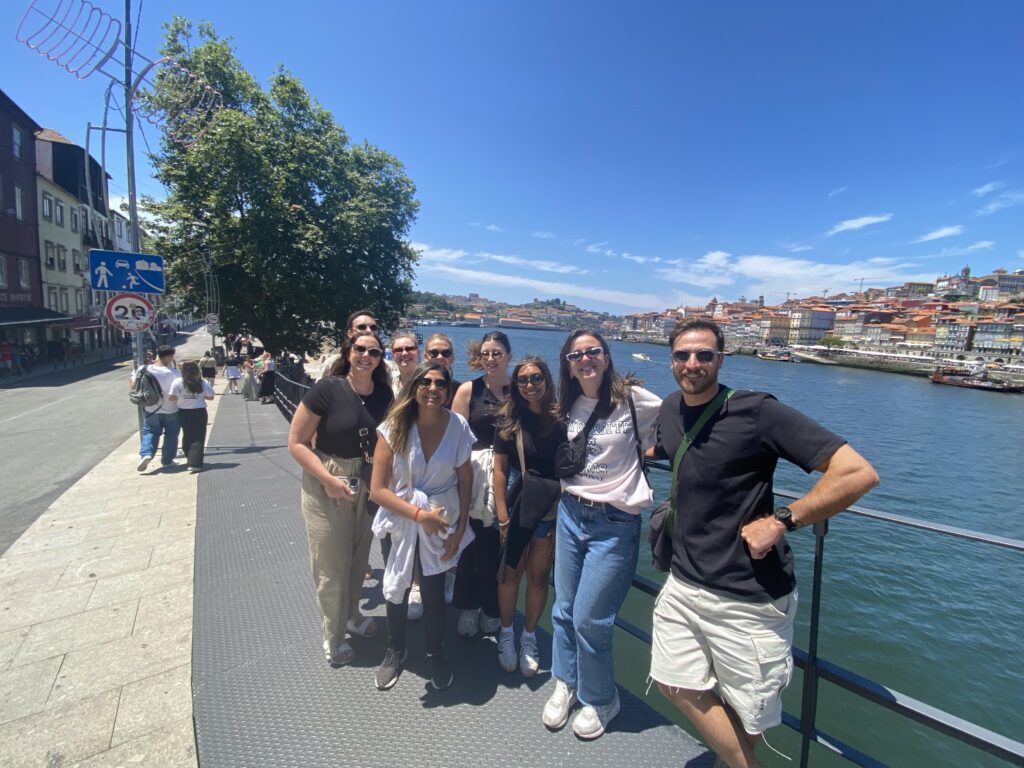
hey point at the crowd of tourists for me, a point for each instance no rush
(512, 474)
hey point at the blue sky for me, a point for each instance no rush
(636, 156)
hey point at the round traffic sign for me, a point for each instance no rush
(130, 312)
(212, 319)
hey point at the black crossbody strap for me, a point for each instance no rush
(367, 426)
(636, 433)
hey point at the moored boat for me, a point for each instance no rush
(971, 378)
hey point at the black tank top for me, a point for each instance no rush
(482, 407)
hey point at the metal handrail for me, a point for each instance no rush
(816, 669)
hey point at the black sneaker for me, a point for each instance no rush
(441, 675)
(389, 669)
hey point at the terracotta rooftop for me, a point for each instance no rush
(48, 134)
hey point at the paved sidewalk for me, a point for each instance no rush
(96, 623)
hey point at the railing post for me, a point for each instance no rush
(809, 696)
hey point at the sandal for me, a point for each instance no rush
(344, 655)
(367, 627)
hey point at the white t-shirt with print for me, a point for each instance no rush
(190, 400)
(613, 474)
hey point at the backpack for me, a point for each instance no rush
(145, 389)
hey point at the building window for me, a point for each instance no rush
(51, 300)
(62, 258)
(58, 213)
(78, 300)
(64, 300)
(19, 205)
(120, 231)
(76, 260)
(49, 251)
(3, 271)
(47, 206)
(16, 141)
(74, 220)
(23, 279)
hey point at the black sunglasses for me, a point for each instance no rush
(533, 378)
(424, 382)
(373, 352)
(367, 327)
(704, 356)
(398, 350)
(589, 352)
(445, 353)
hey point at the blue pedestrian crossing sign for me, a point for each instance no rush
(120, 271)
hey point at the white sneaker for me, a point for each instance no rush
(529, 657)
(143, 463)
(556, 711)
(469, 622)
(415, 603)
(449, 586)
(590, 722)
(489, 624)
(507, 649)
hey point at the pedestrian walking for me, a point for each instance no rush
(191, 392)
(339, 415)
(250, 383)
(162, 418)
(208, 367)
(268, 378)
(233, 372)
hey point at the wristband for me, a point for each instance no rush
(502, 525)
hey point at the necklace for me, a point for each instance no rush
(359, 394)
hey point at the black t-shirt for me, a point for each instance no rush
(482, 407)
(538, 450)
(340, 422)
(725, 480)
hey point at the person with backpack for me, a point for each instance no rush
(151, 387)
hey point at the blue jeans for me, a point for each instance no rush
(596, 550)
(156, 423)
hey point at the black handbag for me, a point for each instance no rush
(571, 456)
(663, 518)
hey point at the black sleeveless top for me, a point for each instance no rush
(483, 405)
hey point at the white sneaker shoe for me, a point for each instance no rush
(469, 622)
(449, 587)
(143, 463)
(590, 722)
(529, 657)
(415, 604)
(489, 624)
(507, 649)
(556, 710)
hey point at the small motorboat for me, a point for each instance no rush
(641, 356)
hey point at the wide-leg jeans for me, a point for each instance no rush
(152, 426)
(596, 551)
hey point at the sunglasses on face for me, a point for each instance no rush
(425, 382)
(496, 354)
(704, 356)
(578, 354)
(445, 353)
(533, 378)
(402, 350)
(373, 352)
(367, 327)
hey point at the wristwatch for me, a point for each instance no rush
(785, 516)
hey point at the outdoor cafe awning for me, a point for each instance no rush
(30, 316)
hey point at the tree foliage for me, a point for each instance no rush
(301, 226)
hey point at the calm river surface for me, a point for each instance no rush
(936, 618)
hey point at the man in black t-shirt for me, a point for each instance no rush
(723, 623)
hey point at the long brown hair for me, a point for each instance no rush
(191, 380)
(343, 364)
(474, 346)
(405, 410)
(614, 388)
(509, 418)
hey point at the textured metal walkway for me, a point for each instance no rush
(263, 695)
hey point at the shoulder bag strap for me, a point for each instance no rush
(709, 410)
(636, 433)
(367, 425)
(519, 448)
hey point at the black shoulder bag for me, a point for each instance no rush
(571, 456)
(663, 518)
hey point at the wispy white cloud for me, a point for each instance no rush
(1004, 159)
(538, 264)
(543, 235)
(962, 250)
(596, 247)
(493, 228)
(984, 189)
(796, 247)
(641, 259)
(1003, 200)
(941, 232)
(431, 254)
(837, 191)
(860, 223)
(592, 293)
(579, 241)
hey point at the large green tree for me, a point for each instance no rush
(300, 226)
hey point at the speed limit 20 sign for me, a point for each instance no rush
(130, 312)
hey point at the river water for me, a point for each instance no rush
(936, 618)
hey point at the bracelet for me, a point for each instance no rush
(503, 525)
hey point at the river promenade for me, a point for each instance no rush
(168, 619)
